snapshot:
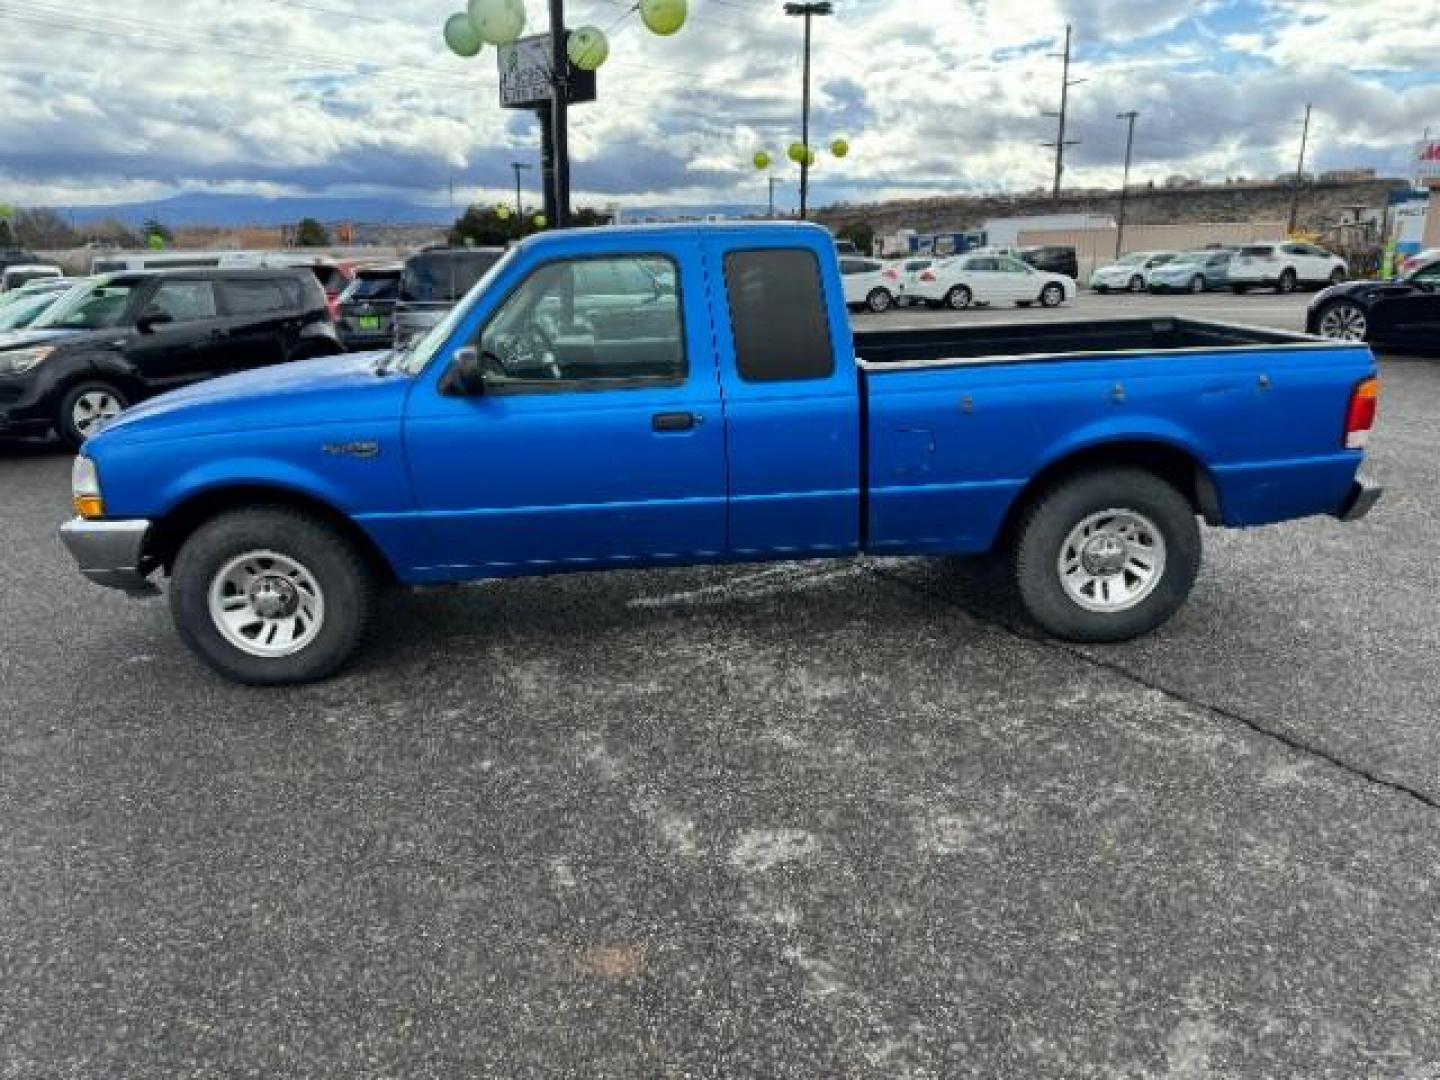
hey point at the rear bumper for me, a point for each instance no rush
(110, 553)
(1363, 496)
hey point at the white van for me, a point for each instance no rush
(111, 263)
(12, 277)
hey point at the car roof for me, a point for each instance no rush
(301, 273)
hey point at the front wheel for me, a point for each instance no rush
(1344, 321)
(1137, 284)
(1337, 276)
(959, 298)
(1106, 556)
(84, 408)
(879, 300)
(1288, 283)
(1197, 284)
(1052, 295)
(271, 597)
(1239, 290)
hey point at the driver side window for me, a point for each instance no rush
(589, 323)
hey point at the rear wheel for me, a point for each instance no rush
(879, 300)
(1136, 284)
(1101, 289)
(271, 597)
(1287, 282)
(1052, 295)
(1344, 321)
(83, 408)
(959, 298)
(1106, 556)
(1337, 276)
(1197, 284)
(1239, 290)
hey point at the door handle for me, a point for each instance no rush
(675, 421)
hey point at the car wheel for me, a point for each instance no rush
(879, 300)
(271, 597)
(83, 408)
(1136, 284)
(959, 298)
(1106, 556)
(1287, 282)
(1197, 284)
(1052, 295)
(1344, 321)
(1337, 276)
(1239, 290)
(1101, 289)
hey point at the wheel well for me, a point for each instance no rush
(170, 533)
(1176, 467)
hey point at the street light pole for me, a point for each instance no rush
(519, 167)
(1299, 174)
(559, 113)
(807, 11)
(1125, 183)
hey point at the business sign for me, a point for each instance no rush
(1427, 160)
(525, 75)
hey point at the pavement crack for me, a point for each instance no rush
(1291, 742)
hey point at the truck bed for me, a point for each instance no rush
(1058, 341)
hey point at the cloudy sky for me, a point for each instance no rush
(109, 102)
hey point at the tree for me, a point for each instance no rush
(43, 229)
(310, 233)
(483, 226)
(155, 227)
(862, 234)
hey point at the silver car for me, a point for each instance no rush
(433, 282)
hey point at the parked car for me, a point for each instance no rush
(1285, 267)
(32, 288)
(1053, 259)
(866, 285)
(16, 256)
(1405, 312)
(1411, 263)
(991, 279)
(432, 282)
(367, 308)
(122, 338)
(1193, 271)
(901, 275)
(13, 277)
(27, 307)
(846, 247)
(520, 438)
(1129, 273)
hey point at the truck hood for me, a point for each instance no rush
(328, 391)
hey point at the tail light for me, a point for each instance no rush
(927, 276)
(332, 305)
(1360, 417)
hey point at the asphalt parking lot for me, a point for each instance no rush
(831, 820)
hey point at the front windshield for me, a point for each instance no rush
(22, 313)
(96, 306)
(414, 357)
(1189, 258)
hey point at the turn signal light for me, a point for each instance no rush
(1360, 418)
(89, 507)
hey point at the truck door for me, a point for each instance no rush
(599, 439)
(792, 416)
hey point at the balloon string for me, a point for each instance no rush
(611, 28)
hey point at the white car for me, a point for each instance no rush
(1129, 273)
(1285, 267)
(990, 279)
(20, 274)
(866, 285)
(902, 274)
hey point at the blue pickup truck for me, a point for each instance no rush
(670, 396)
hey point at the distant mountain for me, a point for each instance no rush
(232, 211)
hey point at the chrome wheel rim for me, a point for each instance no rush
(879, 300)
(93, 408)
(1197, 285)
(1052, 295)
(1112, 561)
(1137, 283)
(959, 299)
(1344, 322)
(266, 604)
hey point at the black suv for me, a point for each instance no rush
(1054, 259)
(124, 337)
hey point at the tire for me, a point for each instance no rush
(339, 598)
(1136, 284)
(1337, 276)
(1102, 289)
(1052, 295)
(83, 407)
(1343, 320)
(879, 300)
(959, 298)
(1197, 284)
(1287, 282)
(1239, 290)
(1106, 501)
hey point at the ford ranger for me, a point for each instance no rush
(678, 395)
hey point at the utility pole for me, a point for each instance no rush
(559, 113)
(1125, 183)
(519, 167)
(1060, 142)
(807, 11)
(773, 182)
(1299, 174)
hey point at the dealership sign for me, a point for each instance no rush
(1427, 160)
(525, 75)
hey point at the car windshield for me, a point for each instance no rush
(444, 277)
(1189, 258)
(96, 306)
(26, 310)
(1133, 259)
(1260, 250)
(413, 358)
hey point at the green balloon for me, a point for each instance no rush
(502, 212)
(797, 152)
(588, 48)
(540, 221)
(155, 242)
(811, 158)
(499, 22)
(461, 35)
(663, 17)
(762, 161)
(840, 148)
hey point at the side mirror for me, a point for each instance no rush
(466, 375)
(147, 323)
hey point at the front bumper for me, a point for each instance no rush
(1363, 496)
(111, 553)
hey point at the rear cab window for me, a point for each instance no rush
(778, 315)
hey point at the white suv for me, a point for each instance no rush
(1285, 267)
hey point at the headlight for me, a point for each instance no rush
(85, 489)
(19, 361)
